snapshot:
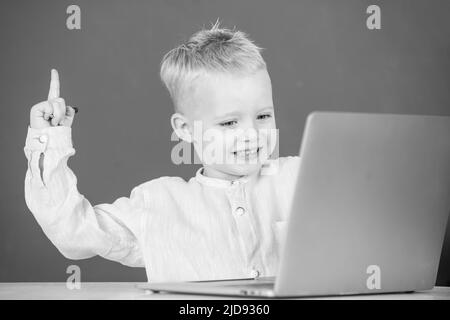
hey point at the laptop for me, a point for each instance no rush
(369, 214)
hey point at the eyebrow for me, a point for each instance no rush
(266, 108)
(229, 114)
(237, 113)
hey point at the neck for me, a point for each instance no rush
(217, 174)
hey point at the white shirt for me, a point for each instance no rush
(202, 229)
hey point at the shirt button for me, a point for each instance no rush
(240, 211)
(43, 138)
(254, 273)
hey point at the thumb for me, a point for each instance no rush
(70, 114)
(70, 111)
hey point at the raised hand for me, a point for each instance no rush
(54, 111)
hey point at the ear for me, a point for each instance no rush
(181, 127)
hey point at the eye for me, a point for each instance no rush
(264, 116)
(228, 123)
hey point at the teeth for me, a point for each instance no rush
(247, 153)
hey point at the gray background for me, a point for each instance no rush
(320, 55)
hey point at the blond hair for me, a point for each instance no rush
(217, 50)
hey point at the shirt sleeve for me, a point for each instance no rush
(78, 229)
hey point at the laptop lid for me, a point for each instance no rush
(371, 205)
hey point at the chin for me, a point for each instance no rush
(243, 169)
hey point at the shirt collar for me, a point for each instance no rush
(221, 183)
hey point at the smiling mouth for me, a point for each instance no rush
(247, 152)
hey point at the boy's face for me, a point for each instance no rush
(232, 122)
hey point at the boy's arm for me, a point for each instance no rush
(78, 229)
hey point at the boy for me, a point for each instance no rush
(226, 222)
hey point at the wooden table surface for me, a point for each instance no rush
(129, 291)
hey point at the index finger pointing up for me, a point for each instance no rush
(54, 85)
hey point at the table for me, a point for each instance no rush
(129, 291)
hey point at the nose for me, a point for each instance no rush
(250, 133)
